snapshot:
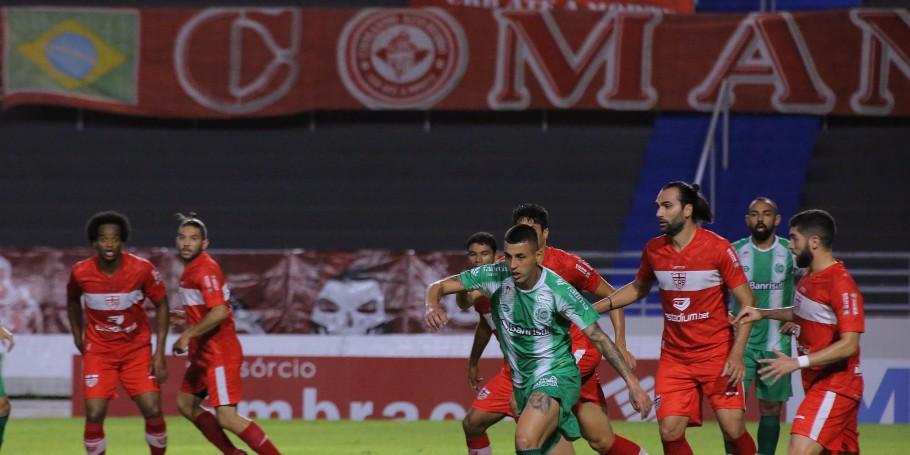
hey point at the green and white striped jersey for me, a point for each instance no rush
(771, 277)
(533, 326)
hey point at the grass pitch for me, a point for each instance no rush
(125, 437)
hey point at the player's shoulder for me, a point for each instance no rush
(203, 264)
(560, 255)
(656, 243)
(557, 284)
(131, 260)
(713, 238)
(84, 265)
(739, 244)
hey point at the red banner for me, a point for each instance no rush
(266, 62)
(358, 388)
(293, 291)
(669, 6)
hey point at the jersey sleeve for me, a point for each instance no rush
(487, 278)
(572, 306)
(581, 274)
(210, 282)
(848, 305)
(73, 290)
(645, 270)
(730, 268)
(153, 286)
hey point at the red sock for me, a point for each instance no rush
(156, 435)
(677, 447)
(744, 445)
(623, 446)
(480, 446)
(93, 439)
(208, 425)
(254, 437)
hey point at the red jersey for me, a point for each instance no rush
(116, 321)
(827, 304)
(693, 285)
(202, 288)
(577, 272)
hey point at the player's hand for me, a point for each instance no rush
(181, 345)
(630, 359)
(775, 368)
(159, 368)
(640, 400)
(746, 315)
(789, 328)
(6, 337)
(80, 346)
(436, 317)
(473, 379)
(734, 368)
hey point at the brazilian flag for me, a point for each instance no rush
(83, 53)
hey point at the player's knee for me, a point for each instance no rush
(94, 415)
(5, 406)
(600, 443)
(186, 408)
(769, 408)
(671, 432)
(472, 425)
(525, 440)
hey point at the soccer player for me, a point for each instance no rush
(769, 266)
(591, 409)
(532, 310)
(699, 355)
(5, 338)
(116, 340)
(211, 342)
(828, 310)
(494, 399)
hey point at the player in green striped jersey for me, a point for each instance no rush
(532, 309)
(5, 338)
(768, 263)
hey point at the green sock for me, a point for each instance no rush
(2, 427)
(529, 452)
(728, 446)
(768, 432)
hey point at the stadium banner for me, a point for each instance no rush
(244, 62)
(435, 388)
(666, 6)
(274, 291)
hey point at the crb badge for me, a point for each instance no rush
(91, 380)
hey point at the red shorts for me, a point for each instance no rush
(219, 380)
(829, 419)
(102, 372)
(496, 395)
(587, 361)
(679, 388)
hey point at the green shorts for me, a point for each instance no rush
(565, 390)
(779, 391)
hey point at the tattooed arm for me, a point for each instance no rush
(637, 396)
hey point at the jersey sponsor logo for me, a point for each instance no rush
(547, 382)
(687, 317)
(116, 320)
(91, 380)
(519, 330)
(679, 279)
(116, 328)
(656, 402)
(681, 303)
(845, 300)
(401, 58)
(756, 286)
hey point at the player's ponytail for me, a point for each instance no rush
(689, 194)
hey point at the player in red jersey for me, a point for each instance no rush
(214, 351)
(492, 402)
(116, 342)
(828, 311)
(699, 355)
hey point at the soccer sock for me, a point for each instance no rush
(529, 452)
(208, 425)
(2, 428)
(254, 437)
(623, 446)
(744, 445)
(156, 435)
(480, 446)
(93, 439)
(768, 434)
(677, 447)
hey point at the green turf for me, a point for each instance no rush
(125, 437)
